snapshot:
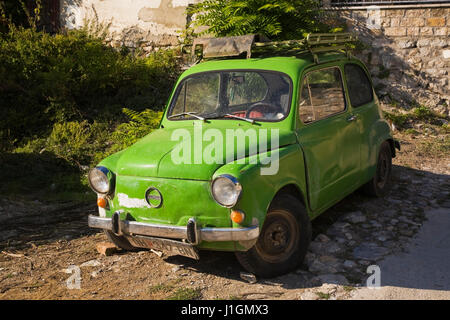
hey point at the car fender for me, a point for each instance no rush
(110, 162)
(379, 132)
(258, 190)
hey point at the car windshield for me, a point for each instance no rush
(256, 95)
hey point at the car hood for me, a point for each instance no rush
(160, 154)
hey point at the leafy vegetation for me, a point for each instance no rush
(186, 294)
(68, 100)
(161, 288)
(73, 77)
(127, 133)
(15, 13)
(405, 121)
(422, 121)
(276, 19)
(423, 113)
(60, 161)
(398, 119)
(170, 291)
(436, 147)
(323, 296)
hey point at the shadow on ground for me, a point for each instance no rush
(423, 268)
(419, 260)
(42, 199)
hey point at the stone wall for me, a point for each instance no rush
(408, 47)
(408, 52)
(132, 23)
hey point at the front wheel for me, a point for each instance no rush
(283, 242)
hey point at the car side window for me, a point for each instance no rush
(322, 95)
(359, 87)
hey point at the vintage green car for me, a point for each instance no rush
(255, 142)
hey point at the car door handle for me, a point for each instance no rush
(352, 118)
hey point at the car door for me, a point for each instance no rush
(329, 137)
(363, 103)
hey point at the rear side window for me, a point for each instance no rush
(358, 84)
(322, 95)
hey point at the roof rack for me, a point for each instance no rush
(256, 45)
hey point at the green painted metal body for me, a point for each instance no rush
(323, 161)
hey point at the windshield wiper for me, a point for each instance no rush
(192, 114)
(233, 116)
(240, 118)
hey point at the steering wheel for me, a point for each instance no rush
(262, 108)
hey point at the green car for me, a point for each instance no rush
(258, 139)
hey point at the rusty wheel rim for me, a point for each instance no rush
(278, 238)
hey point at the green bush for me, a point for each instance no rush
(48, 79)
(84, 144)
(62, 105)
(13, 12)
(72, 141)
(398, 119)
(77, 142)
(422, 113)
(139, 125)
(56, 166)
(276, 19)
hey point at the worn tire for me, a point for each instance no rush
(119, 241)
(379, 185)
(283, 241)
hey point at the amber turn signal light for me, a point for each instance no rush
(101, 202)
(237, 216)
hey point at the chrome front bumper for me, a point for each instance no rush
(191, 232)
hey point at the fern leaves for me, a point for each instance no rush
(276, 19)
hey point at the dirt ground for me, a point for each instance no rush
(40, 243)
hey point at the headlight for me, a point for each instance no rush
(226, 190)
(100, 179)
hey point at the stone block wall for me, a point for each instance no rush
(408, 53)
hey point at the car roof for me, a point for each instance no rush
(289, 65)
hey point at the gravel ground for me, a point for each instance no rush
(406, 234)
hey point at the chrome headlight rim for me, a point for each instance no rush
(237, 186)
(108, 176)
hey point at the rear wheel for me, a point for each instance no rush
(120, 241)
(283, 241)
(381, 181)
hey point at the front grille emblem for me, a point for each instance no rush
(153, 197)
